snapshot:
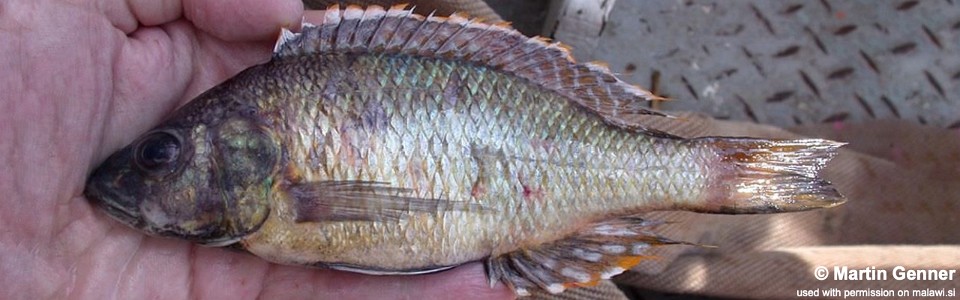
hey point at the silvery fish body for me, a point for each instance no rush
(384, 142)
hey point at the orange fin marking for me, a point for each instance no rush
(598, 252)
(629, 262)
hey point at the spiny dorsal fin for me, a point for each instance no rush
(399, 31)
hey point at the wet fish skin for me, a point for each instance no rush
(409, 161)
(464, 153)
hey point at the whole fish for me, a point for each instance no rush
(384, 142)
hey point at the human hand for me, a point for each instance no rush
(81, 79)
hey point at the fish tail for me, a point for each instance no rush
(749, 176)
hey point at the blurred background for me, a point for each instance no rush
(883, 76)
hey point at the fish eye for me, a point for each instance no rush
(157, 151)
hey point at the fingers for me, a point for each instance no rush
(222, 274)
(130, 15)
(161, 66)
(243, 20)
(463, 282)
(466, 282)
(150, 74)
(155, 12)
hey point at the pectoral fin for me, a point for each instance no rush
(365, 201)
(598, 252)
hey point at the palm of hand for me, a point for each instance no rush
(80, 82)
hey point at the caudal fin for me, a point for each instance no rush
(768, 176)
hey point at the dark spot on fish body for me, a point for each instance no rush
(529, 190)
(478, 190)
(532, 193)
(331, 85)
(349, 152)
(374, 118)
(452, 89)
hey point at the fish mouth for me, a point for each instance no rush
(111, 187)
(109, 200)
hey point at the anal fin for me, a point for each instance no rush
(598, 252)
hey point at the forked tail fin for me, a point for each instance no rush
(751, 176)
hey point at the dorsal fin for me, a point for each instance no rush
(399, 31)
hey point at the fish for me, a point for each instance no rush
(384, 142)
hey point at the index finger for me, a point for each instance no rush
(239, 20)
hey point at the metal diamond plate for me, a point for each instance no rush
(791, 62)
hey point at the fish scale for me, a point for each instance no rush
(384, 142)
(505, 133)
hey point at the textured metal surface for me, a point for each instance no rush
(526, 16)
(792, 62)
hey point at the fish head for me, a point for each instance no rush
(204, 182)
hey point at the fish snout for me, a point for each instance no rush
(114, 187)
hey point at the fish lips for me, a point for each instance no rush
(115, 188)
